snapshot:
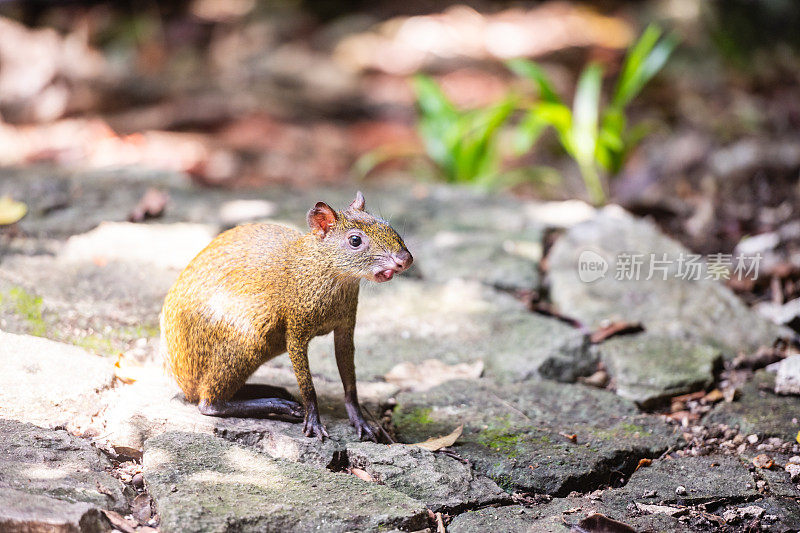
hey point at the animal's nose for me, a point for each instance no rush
(403, 259)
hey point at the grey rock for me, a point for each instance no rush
(556, 516)
(760, 411)
(49, 383)
(516, 434)
(203, 483)
(705, 479)
(703, 310)
(154, 405)
(780, 515)
(23, 511)
(649, 369)
(55, 464)
(787, 380)
(456, 322)
(442, 483)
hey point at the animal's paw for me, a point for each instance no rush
(312, 427)
(363, 429)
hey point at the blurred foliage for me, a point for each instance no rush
(463, 144)
(597, 137)
(739, 28)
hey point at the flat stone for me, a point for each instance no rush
(49, 383)
(680, 306)
(780, 515)
(23, 511)
(650, 369)
(55, 464)
(555, 517)
(517, 434)
(203, 483)
(457, 322)
(442, 483)
(154, 405)
(787, 381)
(760, 411)
(706, 479)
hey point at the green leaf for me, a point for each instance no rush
(585, 113)
(528, 132)
(531, 70)
(643, 62)
(431, 100)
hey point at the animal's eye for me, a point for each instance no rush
(355, 241)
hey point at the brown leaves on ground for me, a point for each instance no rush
(615, 328)
(599, 523)
(437, 443)
(430, 373)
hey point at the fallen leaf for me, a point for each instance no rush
(571, 510)
(689, 397)
(599, 379)
(714, 396)
(615, 328)
(661, 509)
(430, 373)
(440, 524)
(437, 443)
(763, 461)
(120, 522)
(127, 371)
(598, 523)
(362, 474)
(11, 211)
(643, 463)
(572, 437)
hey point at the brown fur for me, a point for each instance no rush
(259, 290)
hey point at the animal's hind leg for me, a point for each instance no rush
(253, 408)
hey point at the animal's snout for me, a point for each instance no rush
(403, 259)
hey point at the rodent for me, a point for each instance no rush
(259, 290)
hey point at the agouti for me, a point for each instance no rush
(259, 290)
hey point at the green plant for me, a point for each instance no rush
(597, 138)
(464, 144)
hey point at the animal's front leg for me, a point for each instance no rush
(297, 346)
(345, 350)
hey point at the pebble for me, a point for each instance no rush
(138, 481)
(680, 490)
(794, 470)
(795, 459)
(752, 439)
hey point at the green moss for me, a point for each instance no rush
(419, 416)
(26, 305)
(96, 344)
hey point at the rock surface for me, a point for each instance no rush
(52, 463)
(441, 482)
(677, 306)
(203, 483)
(787, 381)
(650, 369)
(759, 411)
(518, 435)
(49, 383)
(22, 511)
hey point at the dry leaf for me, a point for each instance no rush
(127, 371)
(615, 328)
(440, 524)
(437, 443)
(661, 509)
(714, 396)
(643, 463)
(598, 523)
(763, 461)
(11, 211)
(120, 522)
(572, 437)
(430, 373)
(362, 474)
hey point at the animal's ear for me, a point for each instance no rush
(358, 203)
(321, 218)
